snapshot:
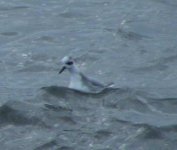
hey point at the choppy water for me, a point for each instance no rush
(132, 43)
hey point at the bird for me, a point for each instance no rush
(78, 80)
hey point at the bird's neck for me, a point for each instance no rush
(74, 70)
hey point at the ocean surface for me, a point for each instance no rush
(132, 43)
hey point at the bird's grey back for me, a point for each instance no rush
(92, 84)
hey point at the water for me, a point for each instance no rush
(132, 43)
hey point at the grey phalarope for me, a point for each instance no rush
(78, 80)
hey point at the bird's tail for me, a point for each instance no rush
(110, 85)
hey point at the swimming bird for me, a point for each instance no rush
(78, 80)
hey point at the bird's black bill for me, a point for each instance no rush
(62, 69)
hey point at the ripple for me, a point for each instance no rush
(9, 33)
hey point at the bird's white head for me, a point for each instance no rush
(68, 63)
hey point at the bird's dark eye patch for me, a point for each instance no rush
(69, 63)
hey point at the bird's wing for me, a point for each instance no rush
(90, 81)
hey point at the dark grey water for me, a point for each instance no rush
(132, 43)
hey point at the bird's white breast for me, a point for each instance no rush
(76, 83)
